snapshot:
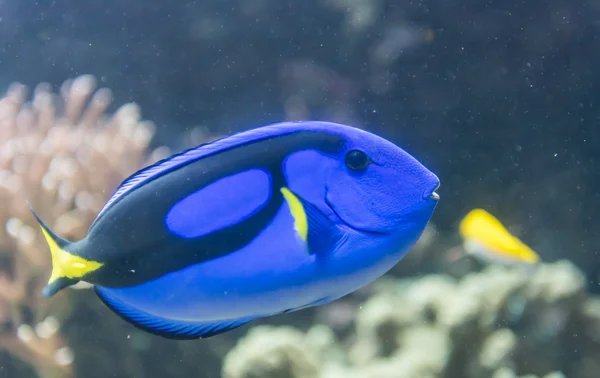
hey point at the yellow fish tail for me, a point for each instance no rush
(67, 267)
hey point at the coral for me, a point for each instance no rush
(64, 156)
(272, 353)
(499, 322)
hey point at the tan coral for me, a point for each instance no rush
(499, 322)
(497, 351)
(270, 352)
(65, 156)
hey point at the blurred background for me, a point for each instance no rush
(498, 98)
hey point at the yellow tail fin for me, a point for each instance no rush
(67, 268)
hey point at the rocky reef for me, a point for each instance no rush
(499, 322)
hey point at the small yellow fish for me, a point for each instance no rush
(485, 237)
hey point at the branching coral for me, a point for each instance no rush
(500, 322)
(64, 156)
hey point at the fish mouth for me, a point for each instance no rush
(432, 194)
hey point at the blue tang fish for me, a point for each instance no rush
(267, 221)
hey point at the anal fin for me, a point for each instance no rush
(167, 328)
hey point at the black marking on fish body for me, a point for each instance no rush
(131, 237)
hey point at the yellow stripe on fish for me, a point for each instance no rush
(485, 236)
(297, 210)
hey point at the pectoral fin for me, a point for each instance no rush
(314, 228)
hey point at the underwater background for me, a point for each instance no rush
(498, 98)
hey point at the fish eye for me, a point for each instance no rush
(357, 160)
